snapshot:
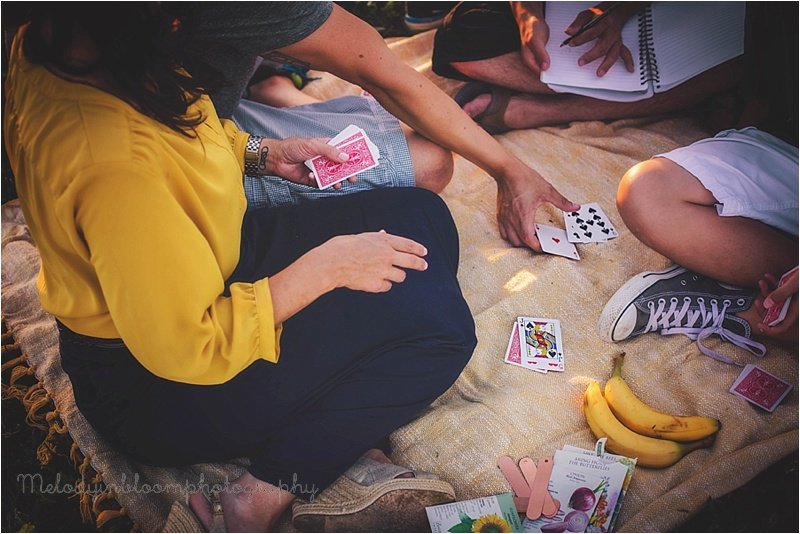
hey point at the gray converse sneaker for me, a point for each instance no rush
(678, 301)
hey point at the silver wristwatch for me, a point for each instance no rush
(251, 155)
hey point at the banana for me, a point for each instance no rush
(651, 452)
(643, 419)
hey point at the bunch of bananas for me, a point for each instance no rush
(636, 430)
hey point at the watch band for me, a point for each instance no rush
(251, 155)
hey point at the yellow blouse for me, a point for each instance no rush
(138, 226)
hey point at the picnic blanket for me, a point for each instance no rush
(496, 409)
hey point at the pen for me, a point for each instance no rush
(592, 23)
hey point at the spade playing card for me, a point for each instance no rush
(541, 343)
(589, 224)
(760, 388)
(554, 241)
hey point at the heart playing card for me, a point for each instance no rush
(554, 241)
(514, 352)
(589, 224)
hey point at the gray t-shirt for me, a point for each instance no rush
(231, 36)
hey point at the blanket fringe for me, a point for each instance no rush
(97, 503)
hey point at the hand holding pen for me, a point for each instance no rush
(603, 24)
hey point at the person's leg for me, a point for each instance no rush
(534, 110)
(354, 366)
(670, 211)
(506, 70)
(433, 165)
(278, 92)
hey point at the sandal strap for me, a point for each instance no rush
(492, 119)
(217, 515)
(368, 472)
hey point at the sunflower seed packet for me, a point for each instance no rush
(496, 513)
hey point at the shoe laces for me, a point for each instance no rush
(698, 323)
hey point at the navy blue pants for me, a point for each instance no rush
(354, 366)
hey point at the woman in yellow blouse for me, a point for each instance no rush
(193, 330)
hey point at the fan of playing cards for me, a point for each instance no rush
(589, 224)
(536, 344)
(363, 155)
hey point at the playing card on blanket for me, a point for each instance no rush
(554, 241)
(541, 342)
(514, 352)
(589, 224)
(361, 158)
(761, 388)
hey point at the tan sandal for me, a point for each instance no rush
(181, 518)
(370, 498)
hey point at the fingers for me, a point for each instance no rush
(560, 201)
(322, 148)
(597, 51)
(627, 58)
(582, 18)
(788, 323)
(778, 296)
(530, 60)
(611, 57)
(540, 52)
(402, 244)
(528, 235)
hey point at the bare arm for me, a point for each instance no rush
(349, 48)
(370, 262)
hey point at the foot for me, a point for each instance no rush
(678, 301)
(478, 105)
(379, 456)
(248, 505)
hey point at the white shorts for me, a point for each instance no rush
(751, 174)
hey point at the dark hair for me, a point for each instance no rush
(144, 48)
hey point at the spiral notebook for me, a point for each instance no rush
(671, 42)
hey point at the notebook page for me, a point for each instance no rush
(564, 69)
(692, 37)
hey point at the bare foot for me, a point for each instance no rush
(248, 504)
(477, 106)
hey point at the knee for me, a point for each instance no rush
(639, 190)
(433, 164)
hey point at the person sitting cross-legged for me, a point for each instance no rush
(725, 211)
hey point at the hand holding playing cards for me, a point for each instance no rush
(286, 158)
(775, 294)
(371, 261)
(518, 199)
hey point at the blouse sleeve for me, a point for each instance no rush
(238, 140)
(162, 281)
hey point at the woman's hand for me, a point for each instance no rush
(519, 195)
(286, 157)
(370, 262)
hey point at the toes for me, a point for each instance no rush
(478, 105)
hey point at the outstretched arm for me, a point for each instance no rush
(349, 48)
